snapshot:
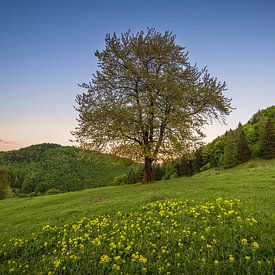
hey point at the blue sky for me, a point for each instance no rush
(47, 47)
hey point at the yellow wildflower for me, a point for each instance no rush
(244, 241)
(218, 200)
(117, 258)
(104, 259)
(142, 259)
(255, 246)
(57, 264)
(216, 262)
(115, 267)
(231, 259)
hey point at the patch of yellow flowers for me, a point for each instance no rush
(165, 237)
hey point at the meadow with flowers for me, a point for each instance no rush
(176, 231)
(163, 237)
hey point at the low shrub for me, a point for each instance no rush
(120, 180)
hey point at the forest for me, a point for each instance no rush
(52, 168)
(254, 139)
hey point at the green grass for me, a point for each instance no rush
(168, 237)
(255, 186)
(253, 183)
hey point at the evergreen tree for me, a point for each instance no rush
(197, 163)
(158, 171)
(244, 152)
(230, 150)
(268, 142)
(5, 190)
(184, 166)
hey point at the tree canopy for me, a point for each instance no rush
(147, 100)
(5, 190)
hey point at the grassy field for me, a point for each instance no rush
(253, 183)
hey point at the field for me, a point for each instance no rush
(214, 222)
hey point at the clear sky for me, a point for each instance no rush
(47, 47)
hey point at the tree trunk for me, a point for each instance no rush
(148, 171)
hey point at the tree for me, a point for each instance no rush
(198, 160)
(230, 150)
(147, 100)
(244, 152)
(5, 190)
(268, 142)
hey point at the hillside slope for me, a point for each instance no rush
(251, 140)
(252, 182)
(41, 167)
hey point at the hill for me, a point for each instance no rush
(235, 236)
(254, 139)
(38, 168)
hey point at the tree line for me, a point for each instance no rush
(254, 139)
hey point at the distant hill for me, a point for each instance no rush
(41, 167)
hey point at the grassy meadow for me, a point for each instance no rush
(214, 222)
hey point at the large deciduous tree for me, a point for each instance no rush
(146, 100)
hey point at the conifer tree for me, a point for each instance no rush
(230, 150)
(197, 163)
(268, 142)
(244, 152)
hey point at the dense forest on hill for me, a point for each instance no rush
(254, 139)
(54, 168)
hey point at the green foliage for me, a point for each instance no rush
(230, 150)
(120, 180)
(41, 188)
(146, 99)
(29, 154)
(259, 123)
(205, 167)
(5, 190)
(268, 141)
(135, 173)
(37, 168)
(197, 162)
(52, 191)
(252, 139)
(248, 141)
(184, 166)
(158, 171)
(170, 171)
(213, 153)
(244, 153)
